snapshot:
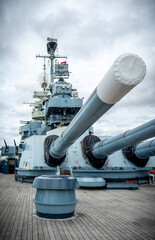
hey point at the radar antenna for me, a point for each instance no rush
(51, 48)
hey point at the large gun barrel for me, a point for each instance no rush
(126, 72)
(145, 150)
(97, 151)
(140, 153)
(129, 138)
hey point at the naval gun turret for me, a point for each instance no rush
(9, 157)
(97, 151)
(94, 149)
(70, 147)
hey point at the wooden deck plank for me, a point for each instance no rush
(17, 227)
(45, 230)
(50, 230)
(93, 222)
(81, 229)
(10, 217)
(21, 220)
(55, 230)
(5, 209)
(25, 217)
(117, 224)
(111, 213)
(96, 220)
(87, 231)
(72, 228)
(40, 230)
(67, 233)
(7, 202)
(61, 231)
(102, 214)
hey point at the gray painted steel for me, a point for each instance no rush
(145, 150)
(129, 138)
(126, 72)
(91, 111)
(91, 182)
(55, 182)
(55, 196)
(62, 106)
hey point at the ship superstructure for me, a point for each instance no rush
(36, 125)
(57, 106)
(64, 103)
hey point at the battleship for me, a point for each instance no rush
(63, 140)
(59, 140)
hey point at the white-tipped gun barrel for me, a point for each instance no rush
(126, 72)
(145, 149)
(129, 138)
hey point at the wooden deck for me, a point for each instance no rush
(102, 214)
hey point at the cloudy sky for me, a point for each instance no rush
(92, 33)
